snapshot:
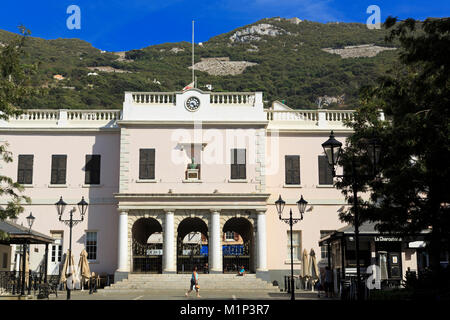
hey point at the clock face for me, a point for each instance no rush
(192, 104)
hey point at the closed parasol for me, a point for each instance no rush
(305, 264)
(305, 268)
(69, 272)
(83, 267)
(313, 269)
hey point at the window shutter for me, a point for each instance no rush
(234, 167)
(325, 172)
(92, 169)
(25, 169)
(147, 164)
(238, 164)
(58, 174)
(292, 169)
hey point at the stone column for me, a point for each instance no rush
(261, 241)
(123, 243)
(215, 243)
(169, 265)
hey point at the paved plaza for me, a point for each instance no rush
(179, 295)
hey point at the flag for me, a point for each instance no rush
(189, 86)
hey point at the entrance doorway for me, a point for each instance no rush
(192, 246)
(55, 254)
(147, 246)
(238, 246)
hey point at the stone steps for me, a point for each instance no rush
(182, 282)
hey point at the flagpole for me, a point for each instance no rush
(193, 77)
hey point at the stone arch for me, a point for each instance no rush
(244, 226)
(180, 215)
(141, 225)
(143, 228)
(189, 254)
(188, 225)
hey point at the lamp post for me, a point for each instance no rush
(82, 207)
(30, 221)
(332, 149)
(301, 205)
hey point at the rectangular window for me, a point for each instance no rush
(58, 175)
(146, 163)
(296, 245)
(325, 172)
(229, 235)
(25, 169)
(92, 169)
(56, 247)
(91, 245)
(292, 169)
(238, 164)
(324, 248)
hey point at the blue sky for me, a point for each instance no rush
(119, 25)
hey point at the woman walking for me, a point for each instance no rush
(194, 283)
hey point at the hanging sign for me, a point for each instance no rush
(154, 252)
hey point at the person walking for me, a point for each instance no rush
(194, 283)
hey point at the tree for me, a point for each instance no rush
(412, 193)
(14, 89)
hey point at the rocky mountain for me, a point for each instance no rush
(291, 60)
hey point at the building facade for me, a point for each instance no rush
(171, 165)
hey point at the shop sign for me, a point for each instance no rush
(388, 239)
(154, 252)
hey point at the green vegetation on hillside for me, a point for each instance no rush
(291, 67)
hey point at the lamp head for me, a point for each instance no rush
(60, 206)
(280, 205)
(332, 149)
(82, 206)
(30, 220)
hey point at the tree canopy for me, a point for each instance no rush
(14, 90)
(411, 190)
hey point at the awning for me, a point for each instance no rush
(417, 244)
(18, 234)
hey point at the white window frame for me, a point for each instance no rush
(226, 236)
(288, 247)
(96, 244)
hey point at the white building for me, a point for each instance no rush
(176, 163)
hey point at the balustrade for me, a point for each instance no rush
(245, 98)
(317, 117)
(153, 97)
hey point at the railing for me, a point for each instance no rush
(241, 98)
(62, 117)
(11, 282)
(153, 97)
(332, 115)
(93, 115)
(303, 115)
(320, 118)
(32, 114)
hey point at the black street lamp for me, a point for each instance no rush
(332, 149)
(30, 221)
(301, 205)
(82, 207)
